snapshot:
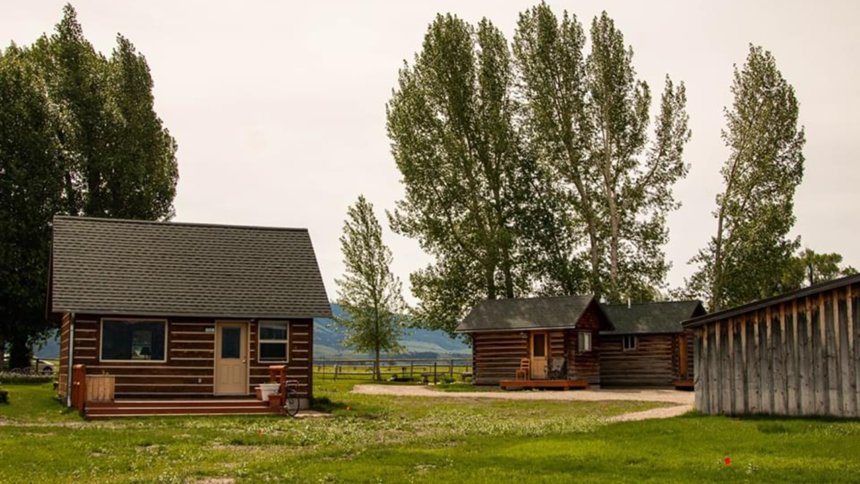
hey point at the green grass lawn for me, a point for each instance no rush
(385, 439)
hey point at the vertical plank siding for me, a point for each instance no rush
(795, 357)
(190, 366)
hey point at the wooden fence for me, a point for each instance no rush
(427, 370)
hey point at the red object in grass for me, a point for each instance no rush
(260, 432)
(348, 409)
(728, 461)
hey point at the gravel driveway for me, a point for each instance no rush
(683, 400)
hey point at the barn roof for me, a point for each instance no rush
(651, 318)
(109, 266)
(526, 314)
(771, 301)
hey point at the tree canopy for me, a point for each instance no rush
(79, 136)
(751, 250)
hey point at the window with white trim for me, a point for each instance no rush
(274, 341)
(584, 342)
(628, 343)
(133, 340)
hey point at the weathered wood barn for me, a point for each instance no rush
(793, 354)
(649, 346)
(551, 340)
(184, 310)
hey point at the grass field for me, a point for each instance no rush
(383, 439)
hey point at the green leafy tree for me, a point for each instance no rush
(809, 267)
(450, 122)
(368, 291)
(751, 251)
(111, 156)
(587, 120)
(30, 193)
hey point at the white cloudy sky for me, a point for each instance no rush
(279, 107)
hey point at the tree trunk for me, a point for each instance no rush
(20, 354)
(2, 353)
(377, 371)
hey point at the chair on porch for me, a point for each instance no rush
(524, 371)
(557, 368)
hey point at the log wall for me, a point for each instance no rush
(652, 363)
(800, 357)
(585, 365)
(63, 376)
(496, 356)
(189, 369)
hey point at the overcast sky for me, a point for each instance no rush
(279, 107)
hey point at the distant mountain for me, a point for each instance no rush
(328, 338)
(418, 343)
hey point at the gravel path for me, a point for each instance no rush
(683, 400)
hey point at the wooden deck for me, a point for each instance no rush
(544, 384)
(177, 407)
(684, 385)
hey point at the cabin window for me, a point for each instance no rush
(133, 340)
(628, 343)
(274, 340)
(584, 342)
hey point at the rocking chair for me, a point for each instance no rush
(557, 368)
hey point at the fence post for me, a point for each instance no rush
(434, 372)
(411, 370)
(451, 373)
(336, 371)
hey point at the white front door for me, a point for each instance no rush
(231, 358)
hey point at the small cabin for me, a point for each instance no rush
(536, 342)
(184, 311)
(649, 346)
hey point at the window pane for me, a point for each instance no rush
(133, 340)
(584, 342)
(273, 331)
(273, 351)
(231, 342)
(539, 342)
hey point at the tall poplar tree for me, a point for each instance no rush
(587, 120)
(368, 291)
(450, 122)
(747, 257)
(81, 137)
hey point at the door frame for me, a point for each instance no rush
(217, 349)
(545, 353)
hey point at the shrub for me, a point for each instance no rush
(8, 377)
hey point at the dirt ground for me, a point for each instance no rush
(683, 400)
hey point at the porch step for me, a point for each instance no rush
(142, 408)
(245, 402)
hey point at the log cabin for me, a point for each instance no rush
(795, 354)
(576, 342)
(536, 342)
(184, 312)
(649, 346)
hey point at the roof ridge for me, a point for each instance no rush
(532, 298)
(172, 223)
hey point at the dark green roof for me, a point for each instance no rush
(652, 318)
(106, 266)
(526, 313)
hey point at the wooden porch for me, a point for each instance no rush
(543, 384)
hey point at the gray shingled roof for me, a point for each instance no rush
(105, 266)
(658, 317)
(525, 313)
